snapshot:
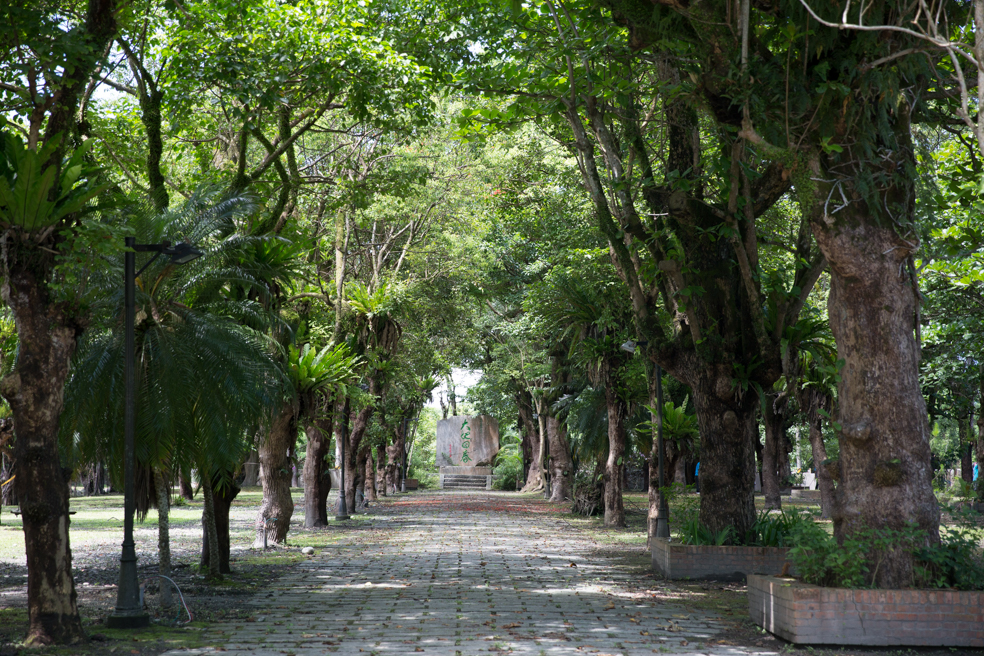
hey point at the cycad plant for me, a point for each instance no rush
(203, 380)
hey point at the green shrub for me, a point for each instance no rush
(769, 530)
(427, 480)
(772, 529)
(819, 560)
(962, 489)
(508, 471)
(956, 562)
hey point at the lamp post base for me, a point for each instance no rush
(342, 510)
(128, 620)
(662, 520)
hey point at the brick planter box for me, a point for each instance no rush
(678, 561)
(811, 615)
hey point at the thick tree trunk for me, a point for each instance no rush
(770, 454)
(561, 463)
(884, 470)
(531, 446)
(164, 538)
(277, 506)
(617, 411)
(46, 341)
(222, 498)
(785, 447)
(210, 533)
(393, 465)
(317, 480)
(679, 471)
(726, 420)
(369, 470)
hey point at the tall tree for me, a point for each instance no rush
(51, 53)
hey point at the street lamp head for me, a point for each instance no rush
(630, 346)
(182, 253)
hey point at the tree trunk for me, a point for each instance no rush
(46, 341)
(785, 447)
(679, 471)
(544, 455)
(561, 463)
(370, 476)
(824, 481)
(342, 418)
(394, 462)
(381, 466)
(885, 475)
(668, 468)
(317, 480)
(222, 498)
(770, 454)
(251, 469)
(185, 487)
(726, 419)
(531, 443)
(277, 506)
(353, 474)
(980, 441)
(966, 450)
(617, 411)
(341, 246)
(210, 533)
(164, 538)
(360, 477)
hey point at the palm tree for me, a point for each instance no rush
(203, 378)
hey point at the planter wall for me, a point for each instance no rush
(811, 615)
(678, 561)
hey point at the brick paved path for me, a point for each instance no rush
(464, 574)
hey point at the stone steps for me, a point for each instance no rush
(464, 482)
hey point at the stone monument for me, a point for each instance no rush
(466, 447)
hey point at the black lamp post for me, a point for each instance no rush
(342, 506)
(129, 613)
(663, 511)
